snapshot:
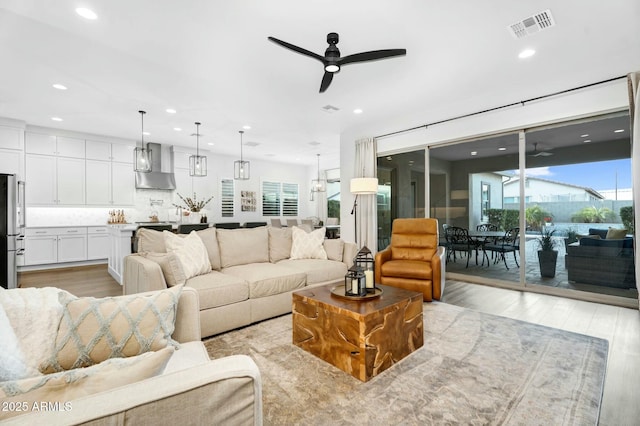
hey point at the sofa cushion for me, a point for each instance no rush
(266, 279)
(601, 232)
(317, 270)
(307, 245)
(407, 269)
(189, 355)
(66, 386)
(279, 244)
(334, 249)
(243, 246)
(210, 240)
(218, 289)
(616, 234)
(170, 265)
(93, 330)
(190, 251)
(150, 240)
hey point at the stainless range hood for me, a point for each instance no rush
(160, 176)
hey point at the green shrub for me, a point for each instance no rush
(511, 219)
(333, 208)
(626, 215)
(536, 216)
(594, 215)
(503, 219)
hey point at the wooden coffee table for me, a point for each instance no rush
(362, 338)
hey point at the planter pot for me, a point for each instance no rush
(547, 261)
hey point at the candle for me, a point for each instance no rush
(369, 277)
(354, 286)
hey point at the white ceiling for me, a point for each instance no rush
(212, 62)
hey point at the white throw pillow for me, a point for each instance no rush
(190, 251)
(307, 245)
(13, 365)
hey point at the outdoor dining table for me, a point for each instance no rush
(480, 238)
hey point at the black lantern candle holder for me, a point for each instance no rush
(355, 282)
(364, 259)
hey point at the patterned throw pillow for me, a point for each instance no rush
(66, 386)
(307, 245)
(190, 251)
(93, 330)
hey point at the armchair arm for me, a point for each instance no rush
(141, 275)
(381, 257)
(222, 391)
(438, 266)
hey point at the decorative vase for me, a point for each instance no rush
(194, 217)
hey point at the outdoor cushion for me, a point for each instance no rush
(266, 279)
(317, 270)
(218, 289)
(616, 234)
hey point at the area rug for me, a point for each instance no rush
(474, 369)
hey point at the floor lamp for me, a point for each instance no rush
(361, 186)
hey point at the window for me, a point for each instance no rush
(485, 201)
(273, 192)
(226, 201)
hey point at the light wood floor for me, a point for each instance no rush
(620, 326)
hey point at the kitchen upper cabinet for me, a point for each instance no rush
(55, 180)
(122, 153)
(11, 162)
(110, 183)
(37, 143)
(11, 138)
(98, 150)
(41, 175)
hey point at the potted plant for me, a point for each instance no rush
(572, 237)
(547, 256)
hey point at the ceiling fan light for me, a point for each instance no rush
(332, 68)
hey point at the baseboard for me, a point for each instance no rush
(68, 265)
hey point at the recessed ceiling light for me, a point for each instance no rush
(502, 148)
(526, 53)
(146, 133)
(298, 159)
(389, 158)
(474, 152)
(357, 111)
(586, 135)
(171, 110)
(210, 143)
(246, 127)
(177, 129)
(586, 141)
(618, 131)
(60, 86)
(87, 13)
(56, 118)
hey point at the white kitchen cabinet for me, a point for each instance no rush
(11, 162)
(71, 181)
(11, 138)
(98, 150)
(122, 153)
(97, 242)
(55, 180)
(123, 184)
(41, 175)
(37, 143)
(70, 147)
(55, 245)
(99, 182)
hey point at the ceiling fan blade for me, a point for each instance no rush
(297, 49)
(326, 81)
(373, 55)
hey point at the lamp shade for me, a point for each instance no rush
(364, 185)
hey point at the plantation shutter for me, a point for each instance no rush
(270, 198)
(226, 200)
(290, 199)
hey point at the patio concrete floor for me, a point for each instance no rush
(532, 270)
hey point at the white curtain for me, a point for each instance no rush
(367, 216)
(634, 111)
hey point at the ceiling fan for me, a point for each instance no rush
(332, 60)
(536, 153)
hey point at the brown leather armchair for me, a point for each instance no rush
(413, 260)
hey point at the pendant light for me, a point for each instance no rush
(318, 185)
(241, 168)
(142, 155)
(197, 163)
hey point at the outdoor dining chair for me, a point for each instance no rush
(458, 240)
(507, 244)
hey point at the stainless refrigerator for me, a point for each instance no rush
(12, 224)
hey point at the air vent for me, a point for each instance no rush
(330, 109)
(314, 143)
(532, 24)
(251, 143)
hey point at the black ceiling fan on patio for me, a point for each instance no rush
(332, 60)
(536, 153)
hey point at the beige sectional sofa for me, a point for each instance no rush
(252, 273)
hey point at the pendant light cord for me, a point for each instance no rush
(241, 159)
(142, 113)
(197, 139)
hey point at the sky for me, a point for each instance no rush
(599, 176)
